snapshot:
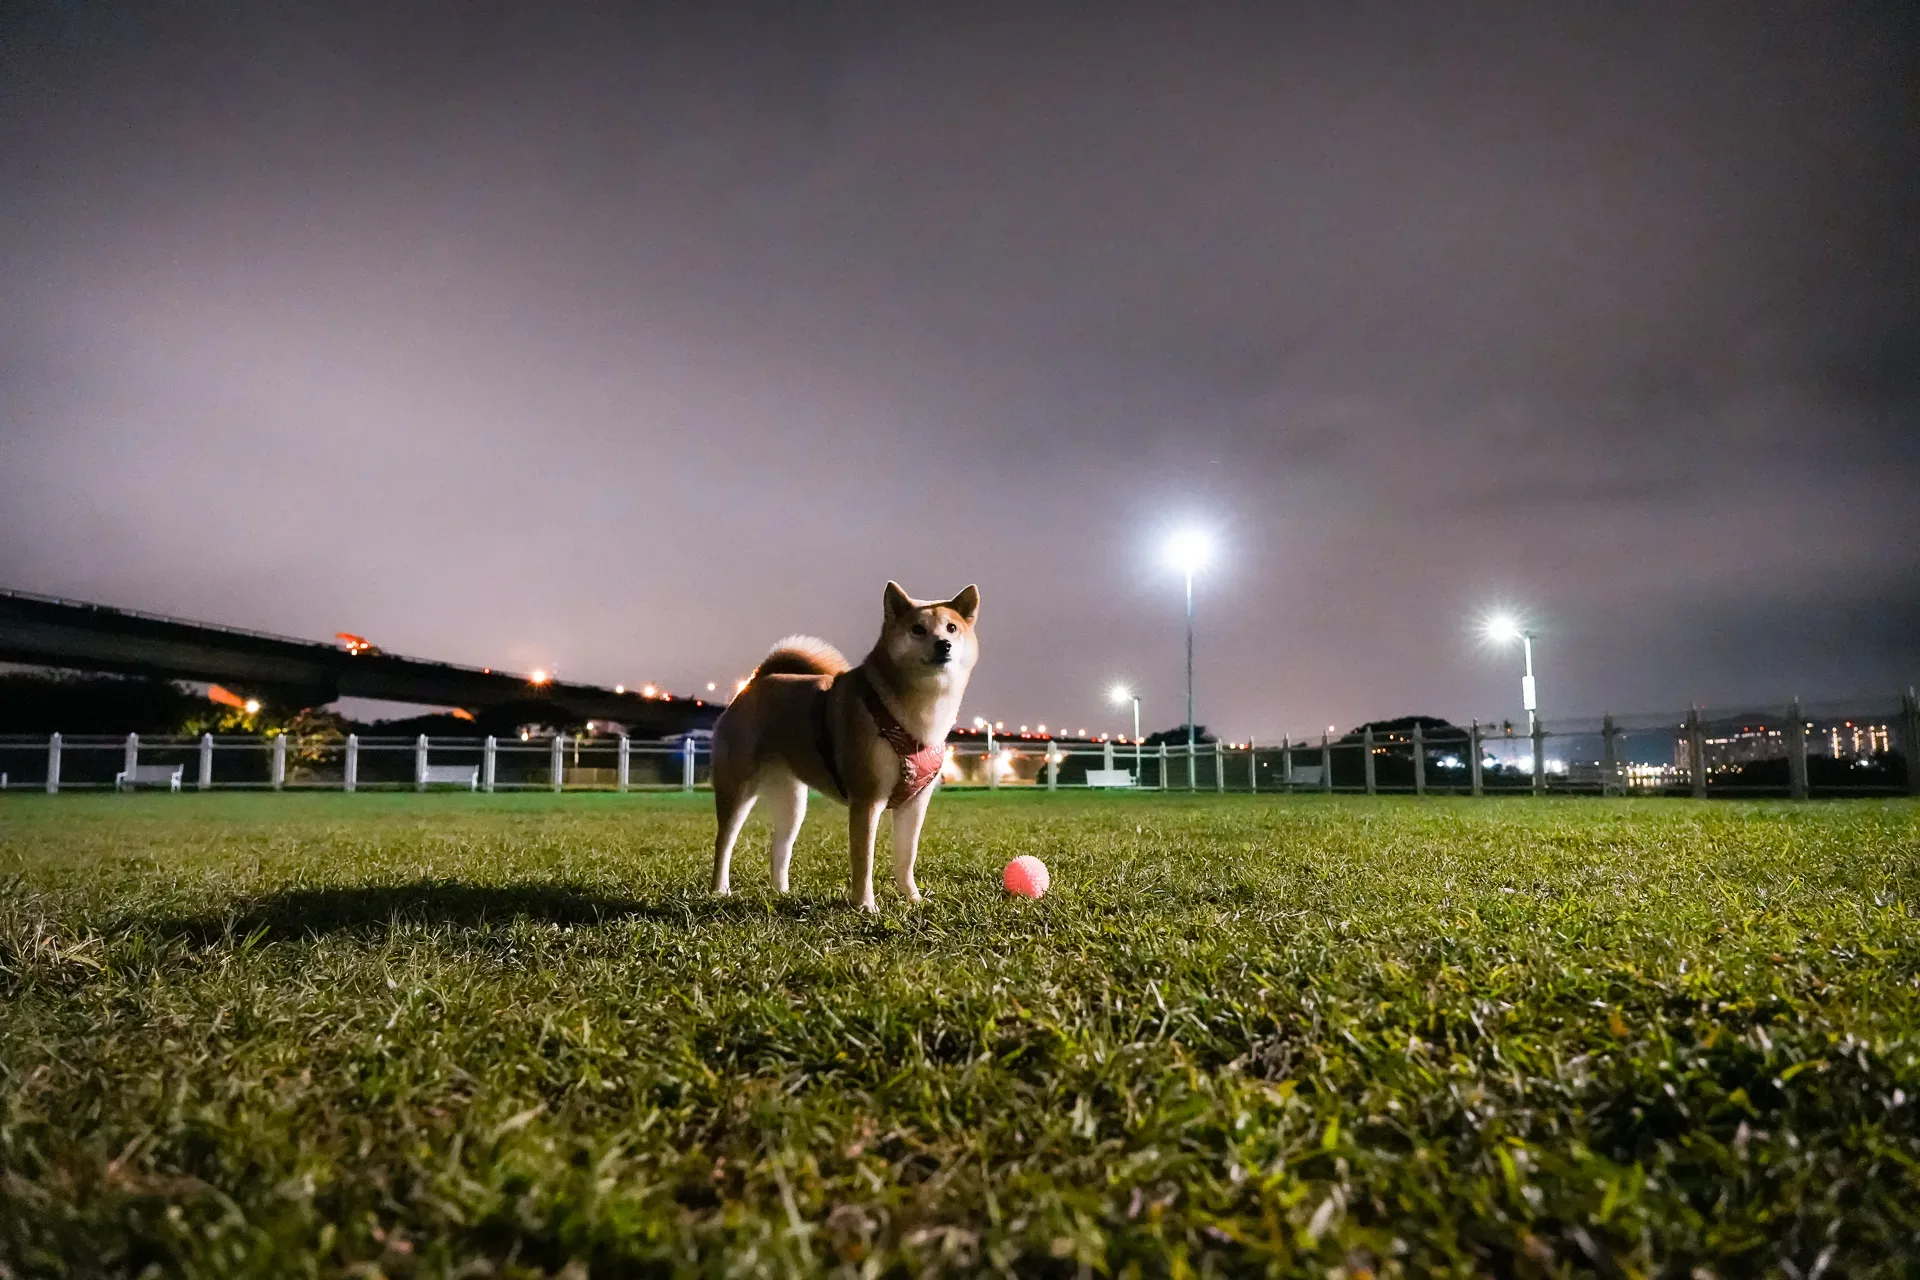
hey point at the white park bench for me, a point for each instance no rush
(1109, 777)
(167, 775)
(464, 775)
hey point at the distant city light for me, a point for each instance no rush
(540, 676)
(646, 691)
(619, 688)
(711, 686)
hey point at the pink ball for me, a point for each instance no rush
(1026, 876)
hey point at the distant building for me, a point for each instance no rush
(1730, 748)
(1848, 741)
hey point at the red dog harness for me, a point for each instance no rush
(919, 764)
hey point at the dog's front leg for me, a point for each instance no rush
(863, 825)
(907, 820)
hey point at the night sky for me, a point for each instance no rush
(624, 346)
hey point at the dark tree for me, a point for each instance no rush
(1177, 737)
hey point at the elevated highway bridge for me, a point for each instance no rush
(46, 631)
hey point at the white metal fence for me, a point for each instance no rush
(1858, 748)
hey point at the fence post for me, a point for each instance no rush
(1053, 767)
(1475, 769)
(1366, 746)
(1696, 754)
(557, 761)
(353, 761)
(1106, 755)
(206, 762)
(1797, 752)
(279, 774)
(420, 763)
(53, 764)
(993, 770)
(488, 752)
(1609, 757)
(1219, 767)
(1286, 764)
(1163, 769)
(1539, 757)
(132, 760)
(623, 771)
(1419, 760)
(686, 766)
(1911, 748)
(1326, 765)
(1193, 766)
(1253, 767)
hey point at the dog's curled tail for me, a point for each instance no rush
(802, 656)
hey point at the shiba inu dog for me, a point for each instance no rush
(873, 736)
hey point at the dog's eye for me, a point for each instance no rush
(919, 630)
(951, 627)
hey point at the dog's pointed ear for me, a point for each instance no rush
(899, 604)
(966, 604)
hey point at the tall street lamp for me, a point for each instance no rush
(980, 722)
(1188, 551)
(1123, 694)
(1505, 630)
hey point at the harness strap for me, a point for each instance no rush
(920, 764)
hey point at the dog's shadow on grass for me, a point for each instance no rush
(380, 908)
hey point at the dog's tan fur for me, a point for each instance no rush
(766, 742)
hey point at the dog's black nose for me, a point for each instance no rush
(942, 648)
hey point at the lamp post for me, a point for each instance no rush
(1505, 630)
(1188, 551)
(980, 722)
(1123, 694)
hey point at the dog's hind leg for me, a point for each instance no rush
(732, 802)
(787, 806)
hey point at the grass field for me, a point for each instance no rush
(460, 1035)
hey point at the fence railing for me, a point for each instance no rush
(1793, 751)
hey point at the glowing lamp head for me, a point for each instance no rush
(1120, 694)
(979, 722)
(1189, 550)
(253, 706)
(1502, 628)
